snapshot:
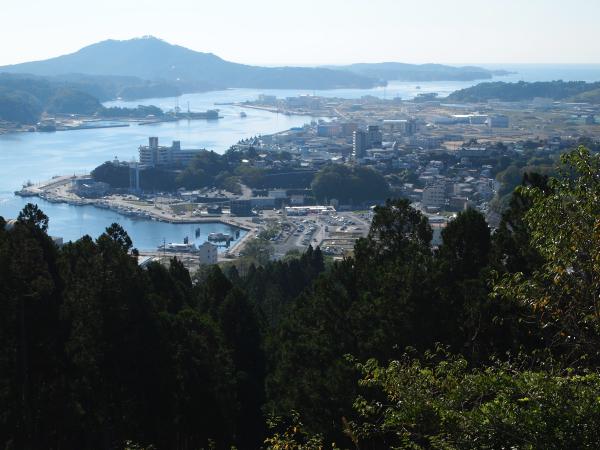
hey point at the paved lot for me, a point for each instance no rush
(298, 232)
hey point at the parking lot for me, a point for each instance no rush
(335, 232)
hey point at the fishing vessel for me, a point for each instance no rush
(219, 237)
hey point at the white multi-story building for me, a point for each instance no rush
(360, 144)
(159, 155)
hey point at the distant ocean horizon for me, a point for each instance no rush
(546, 72)
(524, 71)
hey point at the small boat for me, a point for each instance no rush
(178, 248)
(243, 114)
(418, 87)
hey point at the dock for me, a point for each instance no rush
(56, 190)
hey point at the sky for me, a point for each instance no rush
(314, 32)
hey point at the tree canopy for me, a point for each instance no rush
(489, 341)
(349, 184)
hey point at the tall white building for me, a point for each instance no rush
(160, 155)
(208, 253)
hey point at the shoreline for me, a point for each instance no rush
(285, 112)
(274, 110)
(88, 123)
(43, 192)
(244, 224)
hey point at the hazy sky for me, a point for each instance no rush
(315, 31)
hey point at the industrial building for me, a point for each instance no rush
(329, 129)
(242, 208)
(89, 188)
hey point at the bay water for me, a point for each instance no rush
(37, 157)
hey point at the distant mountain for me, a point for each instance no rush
(523, 91)
(152, 59)
(420, 72)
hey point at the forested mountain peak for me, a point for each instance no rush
(150, 58)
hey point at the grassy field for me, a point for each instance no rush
(183, 207)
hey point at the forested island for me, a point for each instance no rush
(490, 340)
(23, 99)
(575, 91)
(421, 72)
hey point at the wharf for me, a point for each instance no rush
(207, 115)
(38, 189)
(276, 110)
(56, 190)
(91, 127)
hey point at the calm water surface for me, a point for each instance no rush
(39, 156)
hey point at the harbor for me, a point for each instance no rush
(229, 235)
(58, 190)
(41, 156)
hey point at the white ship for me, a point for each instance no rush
(178, 248)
